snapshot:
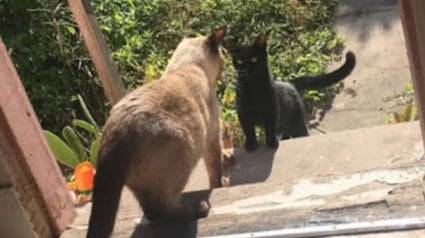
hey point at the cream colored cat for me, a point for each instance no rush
(155, 136)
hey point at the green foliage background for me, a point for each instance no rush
(47, 49)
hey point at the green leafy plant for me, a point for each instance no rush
(49, 53)
(79, 142)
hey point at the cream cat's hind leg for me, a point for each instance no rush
(166, 208)
(159, 180)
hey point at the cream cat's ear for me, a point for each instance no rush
(216, 38)
(261, 39)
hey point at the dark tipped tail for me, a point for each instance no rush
(108, 183)
(325, 80)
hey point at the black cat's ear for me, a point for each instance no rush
(216, 38)
(261, 40)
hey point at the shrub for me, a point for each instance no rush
(49, 54)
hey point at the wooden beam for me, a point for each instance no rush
(98, 50)
(413, 21)
(35, 175)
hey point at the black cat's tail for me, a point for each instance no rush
(108, 183)
(325, 80)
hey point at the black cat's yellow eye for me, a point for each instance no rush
(254, 59)
(239, 61)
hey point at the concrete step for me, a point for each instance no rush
(335, 153)
(373, 200)
(352, 204)
(368, 201)
(365, 154)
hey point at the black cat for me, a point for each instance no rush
(276, 106)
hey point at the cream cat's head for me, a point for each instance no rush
(203, 51)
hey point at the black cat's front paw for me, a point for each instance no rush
(273, 143)
(251, 146)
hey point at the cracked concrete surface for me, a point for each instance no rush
(372, 29)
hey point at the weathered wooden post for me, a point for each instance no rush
(34, 200)
(98, 50)
(412, 14)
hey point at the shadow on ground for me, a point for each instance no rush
(315, 114)
(147, 229)
(165, 230)
(251, 167)
(352, 13)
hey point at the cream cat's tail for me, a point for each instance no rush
(325, 80)
(108, 183)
